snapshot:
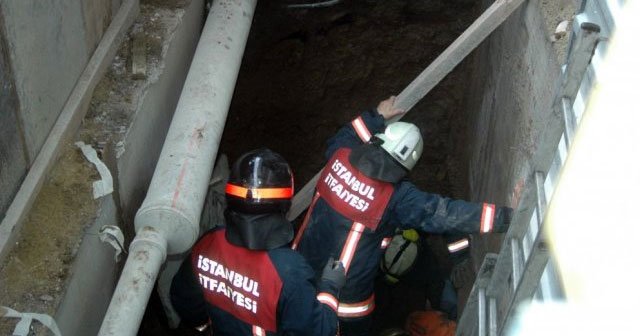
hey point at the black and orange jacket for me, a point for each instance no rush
(251, 292)
(337, 226)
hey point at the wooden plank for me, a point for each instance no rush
(455, 53)
(430, 77)
(303, 198)
(66, 125)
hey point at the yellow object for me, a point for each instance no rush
(411, 235)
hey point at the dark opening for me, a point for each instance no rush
(307, 72)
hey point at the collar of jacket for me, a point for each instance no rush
(258, 231)
(376, 163)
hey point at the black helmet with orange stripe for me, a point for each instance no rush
(258, 194)
(260, 182)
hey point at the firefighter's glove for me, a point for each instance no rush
(334, 274)
(502, 219)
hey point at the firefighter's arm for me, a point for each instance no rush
(360, 129)
(302, 309)
(187, 298)
(437, 214)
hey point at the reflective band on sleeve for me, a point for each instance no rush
(357, 309)
(329, 300)
(458, 245)
(294, 245)
(486, 220)
(257, 331)
(361, 129)
(349, 248)
(385, 242)
(260, 193)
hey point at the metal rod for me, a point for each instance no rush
(541, 204)
(516, 258)
(493, 317)
(580, 58)
(315, 5)
(482, 312)
(468, 321)
(530, 279)
(569, 121)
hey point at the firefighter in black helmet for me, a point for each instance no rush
(243, 279)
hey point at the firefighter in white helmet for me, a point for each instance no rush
(362, 197)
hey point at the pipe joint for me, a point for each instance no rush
(149, 236)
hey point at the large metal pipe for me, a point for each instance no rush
(147, 252)
(174, 201)
(167, 222)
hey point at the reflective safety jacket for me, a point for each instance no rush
(352, 217)
(251, 292)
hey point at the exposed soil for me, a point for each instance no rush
(35, 272)
(306, 73)
(554, 12)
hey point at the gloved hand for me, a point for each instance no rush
(502, 219)
(334, 274)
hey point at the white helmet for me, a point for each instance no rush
(403, 141)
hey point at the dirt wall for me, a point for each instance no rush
(509, 101)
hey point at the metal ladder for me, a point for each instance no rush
(513, 276)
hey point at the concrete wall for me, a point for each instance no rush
(95, 274)
(46, 45)
(149, 127)
(12, 156)
(93, 278)
(509, 103)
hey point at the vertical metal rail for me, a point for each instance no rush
(474, 316)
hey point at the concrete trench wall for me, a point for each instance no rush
(45, 46)
(133, 165)
(515, 73)
(129, 137)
